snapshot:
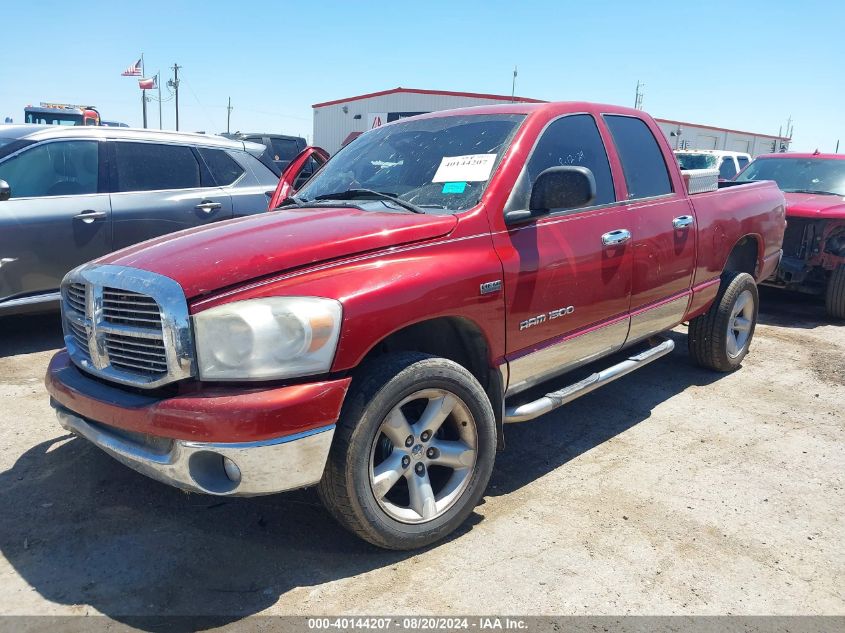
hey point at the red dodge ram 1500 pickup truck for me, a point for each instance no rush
(814, 243)
(374, 334)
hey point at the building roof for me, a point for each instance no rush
(444, 93)
(722, 129)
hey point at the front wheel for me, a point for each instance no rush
(720, 338)
(413, 451)
(835, 295)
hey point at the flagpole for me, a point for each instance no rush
(158, 84)
(143, 93)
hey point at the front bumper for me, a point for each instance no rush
(253, 468)
(239, 441)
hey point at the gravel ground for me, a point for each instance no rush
(672, 491)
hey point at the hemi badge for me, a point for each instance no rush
(491, 286)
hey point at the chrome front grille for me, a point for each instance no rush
(75, 296)
(80, 335)
(127, 325)
(130, 308)
(144, 355)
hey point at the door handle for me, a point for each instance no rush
(614, 238)
(208, 206)
(89, 215)
(683, 221)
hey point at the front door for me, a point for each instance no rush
(55, 218)
(160, 188)
(567, 274)
(664, 245)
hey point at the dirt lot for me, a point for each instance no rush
(672, 491)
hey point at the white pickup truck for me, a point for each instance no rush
(728, 163)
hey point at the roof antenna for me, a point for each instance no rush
(513, 85)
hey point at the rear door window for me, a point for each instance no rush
(743, 162)
(727, 169)
(284, 150)
(645, 169)
(153, 166)
(224, 169)
(60, 168)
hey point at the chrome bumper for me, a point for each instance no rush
(240, 469)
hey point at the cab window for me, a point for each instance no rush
(572, 140)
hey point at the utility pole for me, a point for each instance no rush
(174, 83)
(638, 96)
(228, 114)
(513, 85)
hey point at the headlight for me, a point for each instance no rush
(264, 339)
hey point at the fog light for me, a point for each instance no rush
(232, 470)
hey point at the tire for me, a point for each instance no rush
(720, 338)
(420, 500)
(834, 299)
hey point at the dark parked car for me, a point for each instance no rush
(281, 149)
(72, 194)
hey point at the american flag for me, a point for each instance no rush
(132, 71)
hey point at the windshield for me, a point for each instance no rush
(813, 175)
(697, 161)
(437, 163)
(44, 118)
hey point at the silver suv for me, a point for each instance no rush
(72, 194)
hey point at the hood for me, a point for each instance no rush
(215, 256)
(815, 206)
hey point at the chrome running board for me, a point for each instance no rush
(551, 401)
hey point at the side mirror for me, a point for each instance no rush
(557, 188)
(563, 188)
(5, 190)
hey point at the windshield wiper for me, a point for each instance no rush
(351, 194)
(815, 191)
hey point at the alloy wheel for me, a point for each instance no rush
(423, 456)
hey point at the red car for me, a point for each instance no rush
(428, 285)
(814, 244)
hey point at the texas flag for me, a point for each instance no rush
(147, 84)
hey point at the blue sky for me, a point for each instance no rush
(743, 64)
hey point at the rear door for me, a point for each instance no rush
(247, 181)
(568, 273)
(58, 217)
(665, 233)
(159, 188)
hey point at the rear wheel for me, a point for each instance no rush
(413, 451)
(720, 338)
(835, 295)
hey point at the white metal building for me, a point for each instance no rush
(339, 121)
(683, 135)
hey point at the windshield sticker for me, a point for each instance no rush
(454, 187)
(469, 168)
